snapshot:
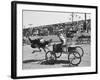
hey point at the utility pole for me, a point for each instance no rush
(85, 23)
(72, 16)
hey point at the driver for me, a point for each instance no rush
(62, 38)
(63, 41)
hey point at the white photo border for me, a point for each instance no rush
(17, 63)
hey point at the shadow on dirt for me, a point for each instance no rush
(52, 62)
(44, 62)
(29, 61)
(64, 63)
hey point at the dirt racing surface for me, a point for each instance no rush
(37, 60)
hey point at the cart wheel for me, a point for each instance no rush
(50, 56)
(74, 58)
(80, 50)
(58, 54)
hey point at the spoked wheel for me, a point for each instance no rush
(74, 58)
(80, 50)
(50, 56)
(58, 54)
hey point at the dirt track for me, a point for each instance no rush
(36, 60)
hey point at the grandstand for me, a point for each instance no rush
(52, 29)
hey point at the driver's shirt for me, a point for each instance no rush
(63, 38)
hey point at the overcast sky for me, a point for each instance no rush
(37, 18)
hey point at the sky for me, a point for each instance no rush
(38, 18)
